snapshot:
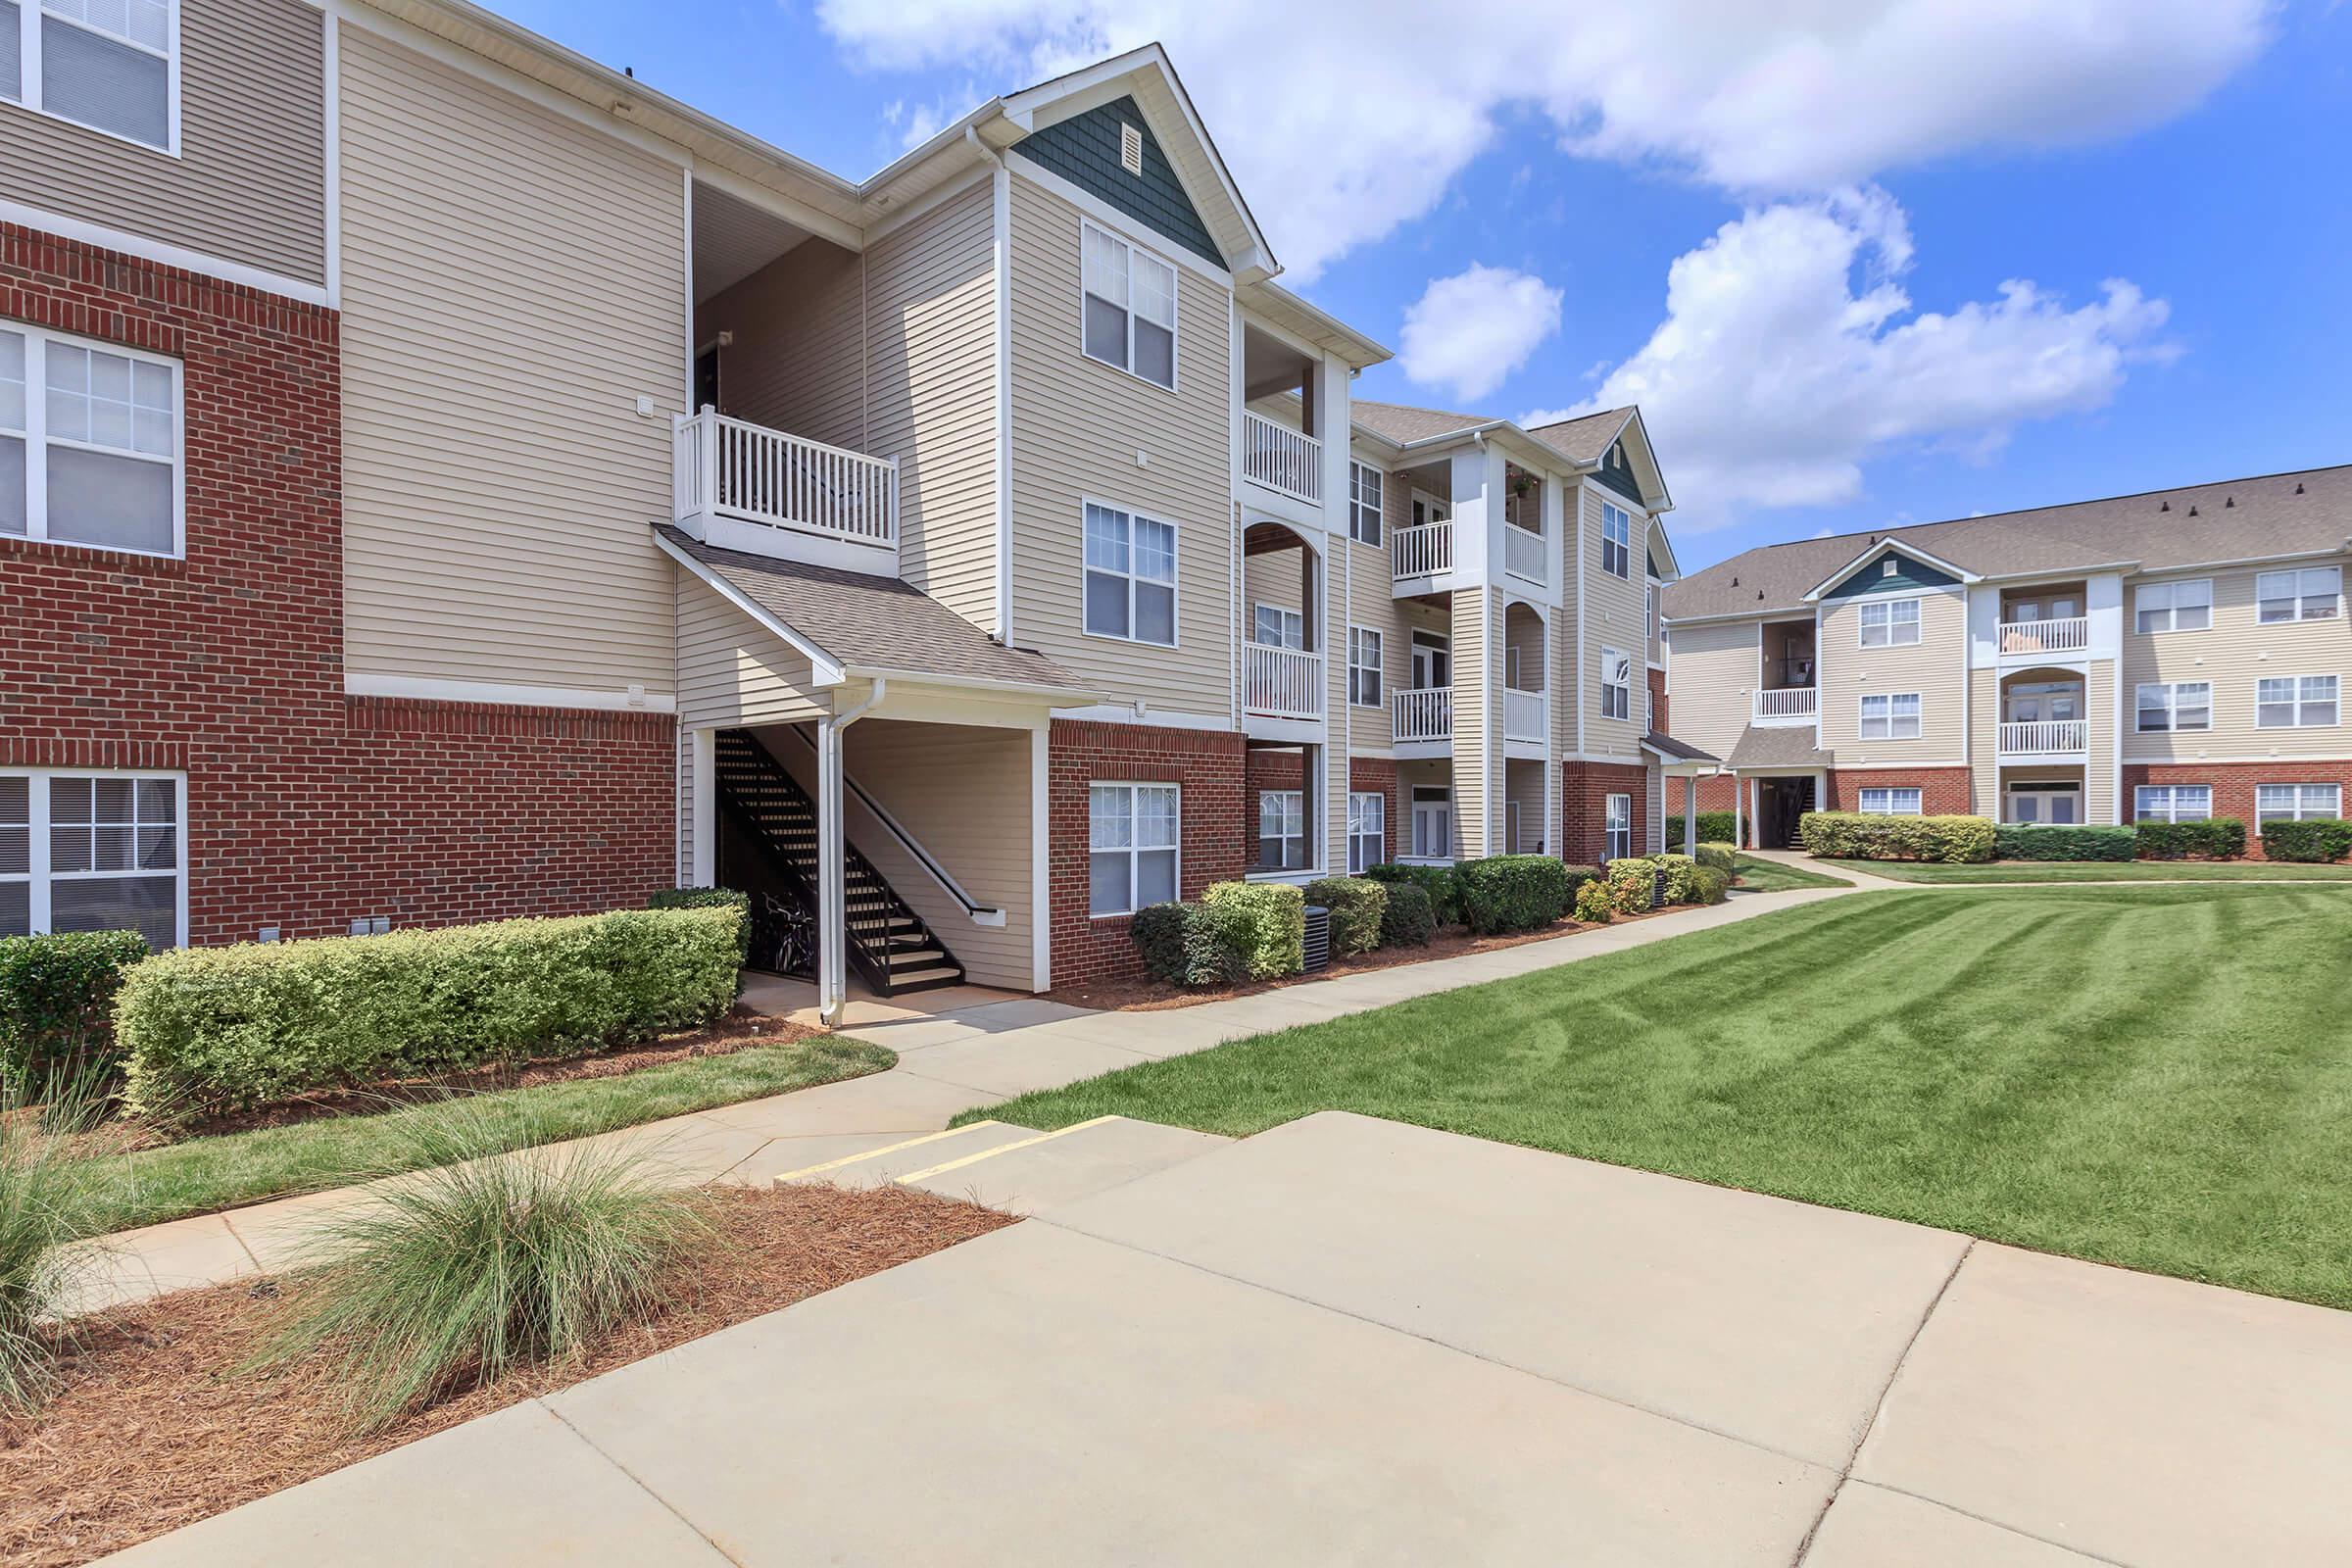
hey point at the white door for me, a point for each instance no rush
(2062, 808)
(1433, 661)
(1433, 824)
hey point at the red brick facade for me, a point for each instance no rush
(304, 807)
(1207, 764)
(1942, 790)
(1584, 807)
(1657, 703)
(2233, 785)
(1718, 794)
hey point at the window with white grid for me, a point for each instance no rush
(1616, 541)
(89, 444)
(1128, 307)
(2295, 702)
(82, 852)
(1616, 683)
(1364, 504)
(109, 65)
(1363, 667)
(1890, 716)
(2174, 706)
(1617, 826)
(1130, 576)
(1281, 831)
(2297, 803)
(2314, 593)
(1890, 622)
(2173, 803)
(1367, 831)
(2161, 607)
(1131, 846)
(1892, 800)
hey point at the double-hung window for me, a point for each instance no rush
(2315, 592)
(2175, 705)
(1130, 842)
(2174, 606)
(1890, 716)
(1364, 504)
(1272, 626)
(1890, 622)
(2295, 702)
(1281, 831)
(1367, 831)
(1130, 576)
(1363, 667)
(1617, 826)
(89, 444)
(2297, 803)
(1616, 683)
(1892, 801)
(91, 853)
(2171, 802)
(1616, 541)
(1130, 308)
(111, 65)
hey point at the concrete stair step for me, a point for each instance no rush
(877, 1167)
(1037, 1171)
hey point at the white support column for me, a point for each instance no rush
(832, 935)
(1739, 817)
(703, 776)
(1691, 815)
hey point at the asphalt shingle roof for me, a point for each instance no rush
(1581, 440)
(1777, 746)
(1680, 751)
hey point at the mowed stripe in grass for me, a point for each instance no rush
(2159, 1077)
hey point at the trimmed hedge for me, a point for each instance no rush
(2314, 839)
(211, 1029)
(1710, 883)
(1632, 885)
(1408, 919)
(708, 899)
(1593, 903)
(1269, 924)
(2044, 840)
(1852, 836)
(1157, 931)
(56, 996)
(1721, 857)
(1192, 945)
(1437, 881)
(1714, 827)
(2222, 839)
(1506, 893)
(1357, 905)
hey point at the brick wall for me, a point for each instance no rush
(304, 807)
(1658, 702)
(1584, 807)
(1370, 775)
(1209, 767)
(1942, 790)
(2233, 783)
(1714, 794)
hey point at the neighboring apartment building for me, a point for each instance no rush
(2175, 655)
(441, 478)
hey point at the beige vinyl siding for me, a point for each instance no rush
(1714, 671)
(1477, 747)
(1523, 630)
(1523, 787)
(2099, 706)
(798, 360)
(1932, 667)
(1077, 429)
(513, 282)
(2236, 654)
(1375, 607)
(733, 671)
(1614, 609)
(250, 183)
(1985, 736)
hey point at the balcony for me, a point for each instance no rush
(1425, 717)
(742, 486)
(2071, 635)
(1795, 705)
(1523, 554)
(1424, 551)
(1522, 715)
(1281, 682)
(2044, 736)
(1280, 459)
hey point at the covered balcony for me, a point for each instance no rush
(1282, 425)
(743, 486)
(2045, 713)
(1786, 689)
(1526, 551)
(2048, 620)
(1283, 675)
(1419, 506)
(1526, 709)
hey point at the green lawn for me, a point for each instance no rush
(1770, 876)
(2156, 1077)
(205, 1174)
(2000, 871)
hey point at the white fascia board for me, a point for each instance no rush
(1881, 548)
(825, 669)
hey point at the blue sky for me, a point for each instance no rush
(2166, 175)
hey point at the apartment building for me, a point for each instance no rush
(2174, 656)
(443, 478)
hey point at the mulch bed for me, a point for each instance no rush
(153, 1428)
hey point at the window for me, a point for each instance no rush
(111, 65)
(1616, 684)
(1363, 667)
(2297, 803)
(2313, 594)
(1130, 316)
(2171, 802)
(1272, 626)
(1367, 832)
(1617, 827)
(1429, 509)
(91, 852)
(1281, 831)
(1131, 840)
(1891, 716)
(2175, 706)
(1130, 576)
(2295, 702)
(1890, 801)
(2174, 606)
(1650, 623)
(89, 444)
(1364, 504)
(1890, 622)
(1616, 541)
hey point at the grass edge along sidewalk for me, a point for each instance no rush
(1995, 873)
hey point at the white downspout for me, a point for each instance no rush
(832, 891)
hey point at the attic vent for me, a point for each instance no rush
(1886, 567)
(1131, 149)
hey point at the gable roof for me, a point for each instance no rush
(1406, 424)
(2306, 513)
(1892, 547)
(1588, 438)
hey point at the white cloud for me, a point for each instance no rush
(1470, 331)
(1791, 352)
(1343, 119)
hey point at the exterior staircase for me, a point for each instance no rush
(890, 946)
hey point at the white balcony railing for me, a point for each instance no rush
(749, 473)
(2037, 737)
(1523, 554)
(1422, 550)
(1794, 702)
(2069, 636)
(1281, 460)
(1522, 715)
(1426, 714)
(1281, 682)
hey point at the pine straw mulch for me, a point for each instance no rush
(151, 1428)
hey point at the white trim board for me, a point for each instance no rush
(498, 694)
(161, 253)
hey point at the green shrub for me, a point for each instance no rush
(208, 1029)
(1633, 883)
(1721, 857)
(2222, 839)
(55, 996)
(1505, 893)
(1357, 905)
(709, 898)
(1593, 903)
(47, 1204)
(1714, 827)
(1852, 836)
(1682, 877)
(1408, 920)
(2313, 839)
(1158, 930)
(1216, 943)
(1271, 924)
(1710, 883)
(2045, 841)
(1437, 881)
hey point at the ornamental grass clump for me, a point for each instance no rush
(451, 1277)
(46, 1209)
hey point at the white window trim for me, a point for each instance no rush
(1610, 831)
(1357, 801)
(2172, 811)
(1377, 667)
(1916, 796)
(1175, 581)
(2298, 618)
(1355, 506)
(40, 875)
(29, 69)
(2335, 814)
(1133, 850)
(2299, 700)
(37, 439)
(1305, 861)
(1259, 607)
(1917, 624)
(1862, 716)
(2140, 592)
(1607, 507)
(2172, 707)
(1607, 685)
(1437, 509)
(1175, 309)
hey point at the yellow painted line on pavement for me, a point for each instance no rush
(886, 1148)
(1001, 1148)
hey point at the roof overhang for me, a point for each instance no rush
(824, 668)
(1280, 308)
(1884, 547)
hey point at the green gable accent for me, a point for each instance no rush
(1084, 149)
(1654, 569)
(1909, 577)
(1618, 474)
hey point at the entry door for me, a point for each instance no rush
(2063, 808)
(1433, 823)
(1433, 662)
